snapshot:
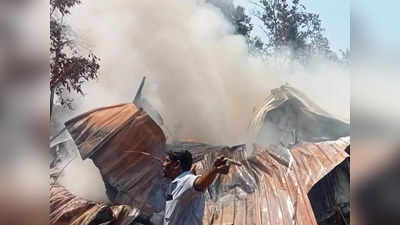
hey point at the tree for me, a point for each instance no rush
(287, 24)
(345, 57)
(68, 69)
(235, 15)
(240, 20)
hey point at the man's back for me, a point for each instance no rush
(185, 205)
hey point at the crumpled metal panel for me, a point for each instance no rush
(115, 138)
(66, 208)
(330, 196)
(264, 191)
(198, 150)
(288, 117)
(280, 196)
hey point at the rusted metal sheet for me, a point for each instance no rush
(198, 150)
(264, 191)
(288, 117)
(66, 208)
(115, 138)
(330, 196)
(280, 196)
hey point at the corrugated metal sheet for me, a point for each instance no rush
(199, 150)
(66, 208)
(280, 196)
(108, 136)
(263, 191)
(288, 117)
(330, 196)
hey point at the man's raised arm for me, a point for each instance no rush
(221, 165)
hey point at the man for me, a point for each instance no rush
(185, 196)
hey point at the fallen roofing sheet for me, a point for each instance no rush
(119, 140)
(330, 197)
(288, 117)
(280, 196)
(66, 208)
(264, 191)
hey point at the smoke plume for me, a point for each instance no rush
(201, 77)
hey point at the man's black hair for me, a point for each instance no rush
(185, 158)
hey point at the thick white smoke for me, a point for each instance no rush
(83, 179)
(200, 75)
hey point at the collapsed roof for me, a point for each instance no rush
(66, 208)
(297, 144)
(127, 145)
(287, 117)
(119, 140)
(265, 191)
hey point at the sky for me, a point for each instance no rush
(335, 17)
(379, 20)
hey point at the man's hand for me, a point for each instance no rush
(221, 165)
(194, 169)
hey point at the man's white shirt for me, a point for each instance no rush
(185, 205)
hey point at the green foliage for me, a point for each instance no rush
(242, 22)
(345, 57)
(63, 6)
(68, 69)
(236, 15)
(287, 24)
